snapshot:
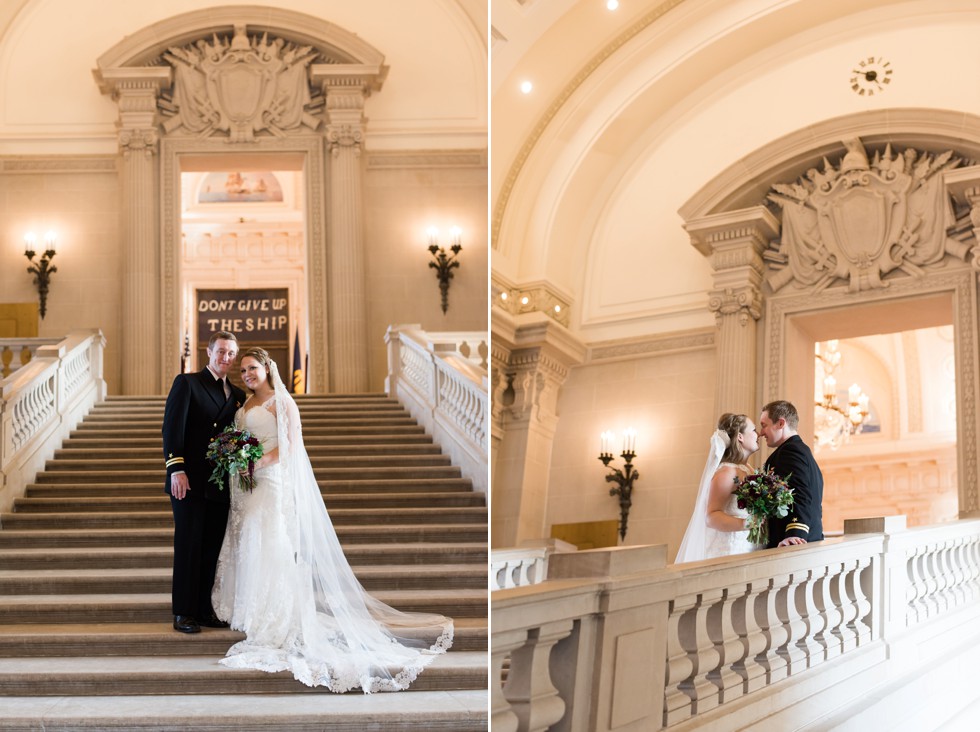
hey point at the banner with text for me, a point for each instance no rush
(254, 316)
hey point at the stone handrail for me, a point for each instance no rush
(615, 638)
(16, 352)
(42, 401)
(445, 391)
(518, 567)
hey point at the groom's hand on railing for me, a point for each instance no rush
(791, 540)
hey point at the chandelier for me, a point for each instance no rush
(834, 424)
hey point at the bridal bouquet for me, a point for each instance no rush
(234, 452)
(763, 494)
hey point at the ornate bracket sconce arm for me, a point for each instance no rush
(443, 263)
(42, 269)
(623, 489)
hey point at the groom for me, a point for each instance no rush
(793, 458)
(199, 407)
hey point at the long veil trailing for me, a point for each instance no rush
(345, 637)
(695, 542)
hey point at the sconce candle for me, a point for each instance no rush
(622, 478)
(42, 269)
(444, 263)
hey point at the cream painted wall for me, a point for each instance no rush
(400, 205)
(434, 97)
(668, 400)
(83, 209)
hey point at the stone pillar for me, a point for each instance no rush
(136, 91)
(532, 358)
(345, 91)
(735, 242)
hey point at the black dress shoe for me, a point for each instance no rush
(212, 621)
(186, 624)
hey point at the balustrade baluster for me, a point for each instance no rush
(752, 637)
(828, 604)
(707, 655)
(502, 715)
(678, 689)
(793, 624)
(773, 629)
(723, 633)
(930, 572)
(849, 610)
(814, 622)
(529, 688)
(860, 589)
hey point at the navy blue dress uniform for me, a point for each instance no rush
(197, 410)
(805, 519)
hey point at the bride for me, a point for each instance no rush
(718, 525)
(282, 576)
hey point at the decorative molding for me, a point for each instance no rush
(532, 297)
(138, 141)
(240, 86)
(67, 164)
(659, 345)
(961, 283)
(563, 96)
(416, 159)
(746, 302)
(862, 220)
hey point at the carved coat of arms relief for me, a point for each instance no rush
(240, 86)
(860, 220)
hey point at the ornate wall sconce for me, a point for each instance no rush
(622, 478)
(444, 264)
(42, 269)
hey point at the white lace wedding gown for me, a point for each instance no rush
(726, 543)
(283, 580)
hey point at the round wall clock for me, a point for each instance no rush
(870, 76)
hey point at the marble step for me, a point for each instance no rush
(158, 501)
(136, 450)
(154, 487)
(352, 419)
(145, 462)
(440, 577)
(421, 711)
(156, 608)
(152, 440)
(160, 639)
(134, 675)
(124, 557)
(104, 537)
(163, 518)
(338, 431)
(321, 473)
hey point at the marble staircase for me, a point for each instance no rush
(85, 557)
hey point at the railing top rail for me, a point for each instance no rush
(28, 341)
(47, 358)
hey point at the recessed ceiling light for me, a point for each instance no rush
(612, 4)
(526, 87)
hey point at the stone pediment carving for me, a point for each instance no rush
(240, 86)
(861, 220)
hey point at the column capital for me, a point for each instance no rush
(745, 302)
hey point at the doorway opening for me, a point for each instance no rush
(243, 254)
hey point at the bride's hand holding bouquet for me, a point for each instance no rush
(763, 494)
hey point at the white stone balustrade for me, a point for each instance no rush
(16, 352)
(438, 378)
(518, 567)
(41, 402)
(756, 639)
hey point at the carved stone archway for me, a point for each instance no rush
(245, 80)
(862, 225)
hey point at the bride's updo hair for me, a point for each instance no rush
(732, 425)
(260, 355)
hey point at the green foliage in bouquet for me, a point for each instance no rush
(763, 495)
(234, 452)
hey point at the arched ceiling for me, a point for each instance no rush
(633, 115)
(435, 96)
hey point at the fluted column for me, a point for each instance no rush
(135, 91)
(533, 355)
(345, 91)
(735, 243)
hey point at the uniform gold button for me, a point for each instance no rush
(215, 424)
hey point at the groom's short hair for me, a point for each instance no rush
(781, 409)
(222, 335)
